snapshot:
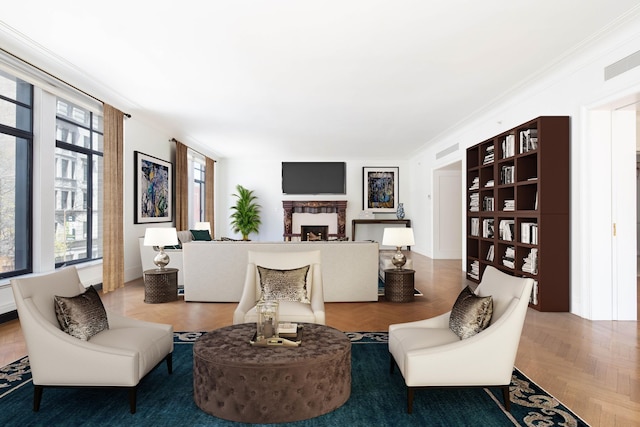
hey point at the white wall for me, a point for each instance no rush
(570, 88)
(263, 176)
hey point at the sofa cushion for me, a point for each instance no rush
(470, 314)
(184, 236)
(82, 316)
(284, 285)
(201, 235)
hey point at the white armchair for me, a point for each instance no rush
(429, 354)
(289, 311)
(116, 357)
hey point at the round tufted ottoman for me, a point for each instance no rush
(239, 382)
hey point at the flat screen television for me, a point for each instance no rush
(314, 177)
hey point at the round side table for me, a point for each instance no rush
(160, 285)
(399, 285)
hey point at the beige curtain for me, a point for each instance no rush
(113, 223)
(210, 193)
(182, 187)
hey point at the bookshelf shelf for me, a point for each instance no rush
(521, 221)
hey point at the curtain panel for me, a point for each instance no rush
(210, 193)
(113, 222)
(182, 187)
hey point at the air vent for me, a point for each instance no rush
(622, 66)
(446, 151)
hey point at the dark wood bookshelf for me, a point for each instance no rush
(529, 170)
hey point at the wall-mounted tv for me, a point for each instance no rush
(314, 177)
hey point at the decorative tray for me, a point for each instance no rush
(284, 340)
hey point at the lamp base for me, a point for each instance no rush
(398, 258)
(161, 259)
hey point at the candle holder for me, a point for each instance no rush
(267, 324)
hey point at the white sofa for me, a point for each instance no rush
(215, 271)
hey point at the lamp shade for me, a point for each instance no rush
(165, 236)
(203, 226)
(398, 236)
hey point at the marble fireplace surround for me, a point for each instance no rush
(339, 207)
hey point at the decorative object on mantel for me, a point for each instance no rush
(398, 237)
(246, 216)
(380, 189)
(161, 237)
(400, 211)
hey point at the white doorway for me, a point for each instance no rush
(611, 191)
(447, 211)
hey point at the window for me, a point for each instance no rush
(79, 169)
(16, 142)
(196, 165)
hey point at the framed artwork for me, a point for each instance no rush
(380, 191)
(153, 189)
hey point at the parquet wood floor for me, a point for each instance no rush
(593, 367)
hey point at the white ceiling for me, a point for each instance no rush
(297, 79)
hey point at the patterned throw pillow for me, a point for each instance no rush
(470, 314)
(284, 285)
(82, 316)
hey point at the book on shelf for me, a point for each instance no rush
(509, 257)
(529, 233)
(508, 146)
(475, 184)
(487, 203)
(534, 293)
(488, 156)
(509, 205)
(530, 264)
(474, 270)
(475, 226)
(474, 202)
(506, 229)
(490, 253)
(528, 140)
(507, 174)
(487, 228)
(489, 183)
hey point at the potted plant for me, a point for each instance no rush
(246, 216)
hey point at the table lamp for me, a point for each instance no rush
(161, 237)
(203, 226)
(398, 237)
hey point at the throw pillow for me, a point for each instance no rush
(470, 314)
(82, 316)
(201, 235)
(285, 285)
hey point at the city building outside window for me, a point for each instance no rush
(16, 144)
(78, 184)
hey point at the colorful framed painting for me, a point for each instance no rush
(380, 191)
(153, 189)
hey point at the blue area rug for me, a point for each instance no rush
(377, 398)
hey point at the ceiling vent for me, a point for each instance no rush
(446, 151)
(622, 66)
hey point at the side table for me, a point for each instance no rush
(399, 285)
(160, 285)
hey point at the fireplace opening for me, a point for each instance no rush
(314, 232)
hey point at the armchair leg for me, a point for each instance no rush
(169, 360)
(132, 398)
(506, 398)
(409, 400)
(37, 397)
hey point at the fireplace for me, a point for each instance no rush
(338, 207)
(314, 232)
